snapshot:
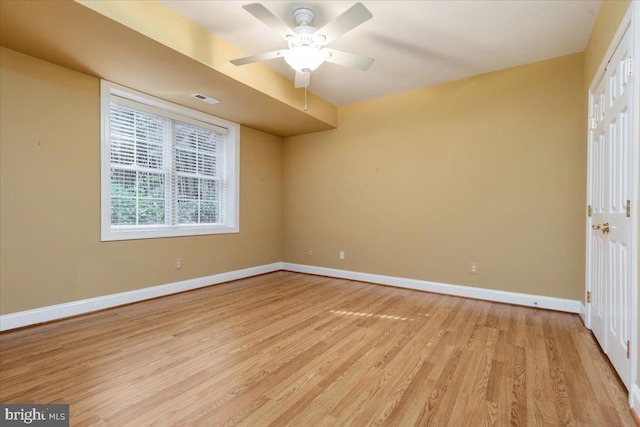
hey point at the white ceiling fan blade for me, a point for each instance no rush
(348, 59)
(259, 57)
(302, 79)
(350, 19)
(269, 19)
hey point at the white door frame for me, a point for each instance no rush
(634, 16)
(631, 20)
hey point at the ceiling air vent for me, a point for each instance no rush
(205, 98)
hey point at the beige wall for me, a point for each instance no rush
(489, 169)
(50, 251)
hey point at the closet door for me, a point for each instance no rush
(610, 186)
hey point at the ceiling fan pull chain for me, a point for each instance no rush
(306, 83)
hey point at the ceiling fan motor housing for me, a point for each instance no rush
(305, 36)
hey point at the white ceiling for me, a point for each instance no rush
(414, 43)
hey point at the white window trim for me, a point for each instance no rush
(232, 214)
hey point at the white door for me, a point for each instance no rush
(597, 185)
(610, 187)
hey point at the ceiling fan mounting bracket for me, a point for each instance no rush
(303, 16)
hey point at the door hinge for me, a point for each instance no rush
(628, 349)
(592, 123)
(589, 210)
(588, 296)
(629, 66)
(628, 208)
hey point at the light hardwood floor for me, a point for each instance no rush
(293, 349)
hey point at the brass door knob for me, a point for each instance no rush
(603, 227)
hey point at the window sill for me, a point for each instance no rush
(156, 233)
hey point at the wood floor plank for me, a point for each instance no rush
(293, 349)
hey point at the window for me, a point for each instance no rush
(167, 170)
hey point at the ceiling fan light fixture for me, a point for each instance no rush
(304, 58)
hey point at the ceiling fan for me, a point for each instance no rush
(307, 49)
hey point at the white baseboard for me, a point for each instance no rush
(59, 311)
(583, 313)
(634, 400)
(551, 303)
(74, 308)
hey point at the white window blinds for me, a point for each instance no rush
(138, 174)
(169, 174)
(200, 186)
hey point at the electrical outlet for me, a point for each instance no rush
(178, 264)
(341, 254)
(310, 252)
(474, 269)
